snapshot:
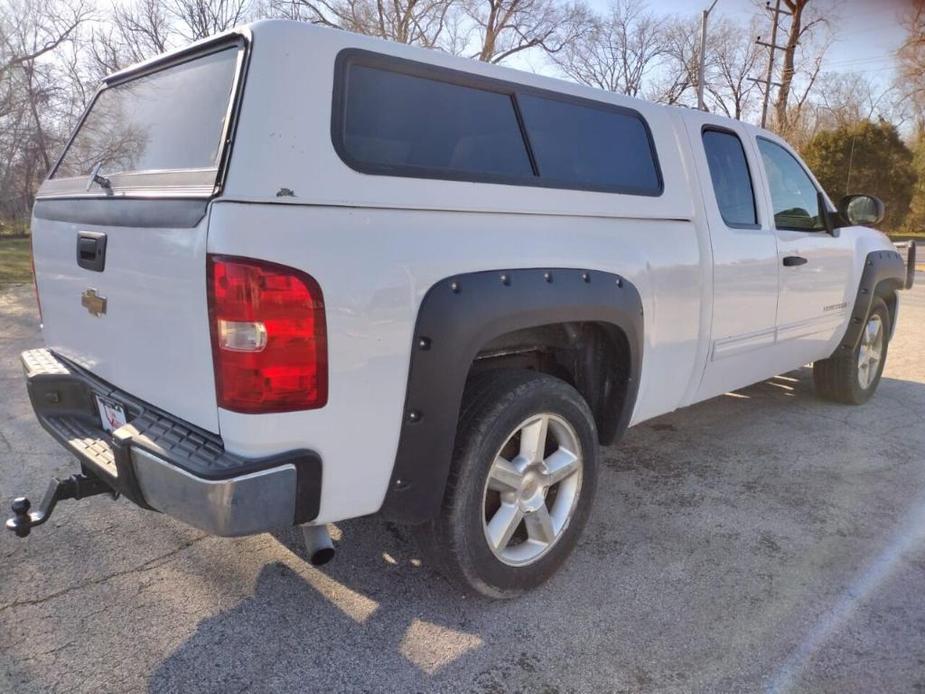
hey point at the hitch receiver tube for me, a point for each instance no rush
(74, 487)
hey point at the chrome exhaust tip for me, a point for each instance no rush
(319, 544)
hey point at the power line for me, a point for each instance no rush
(864, 71)
(839, 35)
(860, 61)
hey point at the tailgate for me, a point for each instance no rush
(152, 337)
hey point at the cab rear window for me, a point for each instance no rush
(170, 120)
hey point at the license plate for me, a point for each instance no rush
(112, 414)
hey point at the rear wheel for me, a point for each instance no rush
(852, 378)
(523, 478)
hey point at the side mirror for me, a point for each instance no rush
(861, 210)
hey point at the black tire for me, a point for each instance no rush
(837, 378)
(495, 405)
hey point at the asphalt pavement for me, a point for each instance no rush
(761, 541)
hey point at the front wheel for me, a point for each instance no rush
(522, 482)
(852, 378)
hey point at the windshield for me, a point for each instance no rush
(168, 120)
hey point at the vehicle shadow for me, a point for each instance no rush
(731, 520)
(311, 629)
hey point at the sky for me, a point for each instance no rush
(867, 32)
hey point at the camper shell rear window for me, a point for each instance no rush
(167, 126)
(397, 117)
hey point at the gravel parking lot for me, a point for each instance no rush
(759, 541)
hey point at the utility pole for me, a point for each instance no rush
(767, 81)
(703, 52)
(850, 163)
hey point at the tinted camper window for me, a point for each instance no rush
(408, 122)
(587, 146)
(398, 117)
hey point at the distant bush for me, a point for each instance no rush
(865, 157)
(14, 227)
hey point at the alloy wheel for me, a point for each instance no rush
(532, 489)
(871, 351)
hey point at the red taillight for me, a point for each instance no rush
(269, 342)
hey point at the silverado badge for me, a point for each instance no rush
(95, 304)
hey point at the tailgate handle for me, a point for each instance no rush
(91, 250)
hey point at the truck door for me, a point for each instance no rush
(745, 256)
(816, 268)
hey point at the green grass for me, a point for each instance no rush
(15, 260)
(907, 235)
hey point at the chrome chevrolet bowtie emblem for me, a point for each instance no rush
(95, 304)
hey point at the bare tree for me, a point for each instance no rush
(506, 27)
(912, 52)
(803, 23)
(29, 29)
(845, 99)
(842, 100)
(419, 22)
(143, 26)
(141, 29)
(911, 56)
(618, 50)
(51, 57)
(489, 30)
(681, 54)
(134, 32)
(33, 92)
(735, 57)
(197, 19)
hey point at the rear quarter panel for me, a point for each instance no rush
(374, 267)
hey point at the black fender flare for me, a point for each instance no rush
(884, 272)
(457, 317)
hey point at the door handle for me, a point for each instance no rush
(794, 260)
(91, 250)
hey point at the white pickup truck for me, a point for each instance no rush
(291, 275)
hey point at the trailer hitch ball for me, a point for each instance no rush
(74, 487)
(20, 523)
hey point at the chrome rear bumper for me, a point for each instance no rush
(241, 505)
(164, 464)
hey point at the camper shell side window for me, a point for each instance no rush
(397, 117)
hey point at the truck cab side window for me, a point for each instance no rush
(732, 182)
(793, 194)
